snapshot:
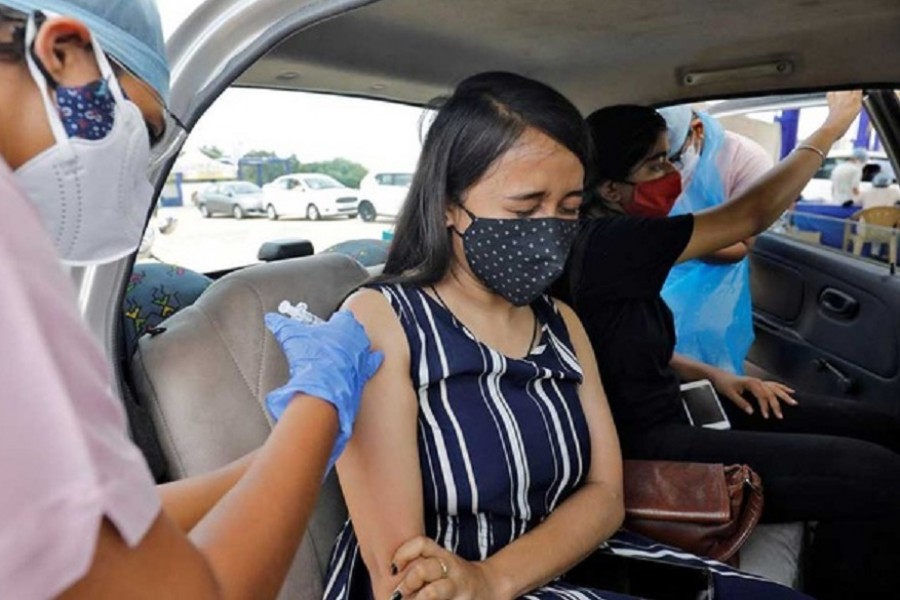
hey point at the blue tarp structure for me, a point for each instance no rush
(789, 119)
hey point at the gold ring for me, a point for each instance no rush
(444, 570)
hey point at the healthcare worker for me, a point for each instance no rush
(710, 296)
(847, 177)
(82, 82)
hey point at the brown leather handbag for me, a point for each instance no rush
(705, 509)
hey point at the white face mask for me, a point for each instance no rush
(93, 195)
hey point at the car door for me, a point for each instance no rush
(298, 197)
(827, 321)
(216, 199)
(285, 196)
(395, 195)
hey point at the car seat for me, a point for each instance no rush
(154, 293)
(368, 253)
(206, 376)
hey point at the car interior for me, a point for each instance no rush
(825, 321)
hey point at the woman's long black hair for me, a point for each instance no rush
(622, 135)
(484, 118)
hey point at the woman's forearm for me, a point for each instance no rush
(574, 530)
(251, 536)
(774, 193)
(187, 501)
(728, 256)
(689, 369)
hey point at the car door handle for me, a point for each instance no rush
(845, 383)
(838, 304)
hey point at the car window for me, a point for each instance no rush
(321, 183)
(818, 218)
(245, 188)
(268, 141)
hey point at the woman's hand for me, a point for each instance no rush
(429, 572)
(769, 394)
(843, 108)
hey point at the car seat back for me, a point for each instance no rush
(206, 375)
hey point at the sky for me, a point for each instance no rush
(379, 135)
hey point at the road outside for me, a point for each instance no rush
(220, 243)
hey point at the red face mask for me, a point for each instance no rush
(655, 198)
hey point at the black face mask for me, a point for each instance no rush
(518, 259)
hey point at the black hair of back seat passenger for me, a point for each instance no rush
(206, 376)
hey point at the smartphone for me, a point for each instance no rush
(702, 405)
(641, 577)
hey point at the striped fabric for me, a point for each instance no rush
(502, 442)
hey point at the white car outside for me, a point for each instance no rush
(819, 187)
(309, 195)
(382, 194)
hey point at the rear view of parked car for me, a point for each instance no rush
(383, 195)
(312, 196)
(235, 198)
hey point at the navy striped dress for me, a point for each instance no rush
(502, 442)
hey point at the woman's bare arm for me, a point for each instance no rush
(244, 546)
(379, 471)
(728, 256)
(753, 211)
(187, 501)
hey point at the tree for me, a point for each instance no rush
(262, 167)
(346, 171)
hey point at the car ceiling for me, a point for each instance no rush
(597, 52)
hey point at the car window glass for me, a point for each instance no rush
(250, 139)
(818, 218)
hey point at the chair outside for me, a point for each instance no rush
(885, 220)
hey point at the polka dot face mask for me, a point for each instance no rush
(518, 259)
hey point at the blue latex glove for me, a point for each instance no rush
(332, 361)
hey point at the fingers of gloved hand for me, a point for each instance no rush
(345, 326)
(419, 574)
(373, 362)
(277, 324)
(293, 336)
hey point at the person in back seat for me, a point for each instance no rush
(79, 514)
(485, 463)
(829, 460)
